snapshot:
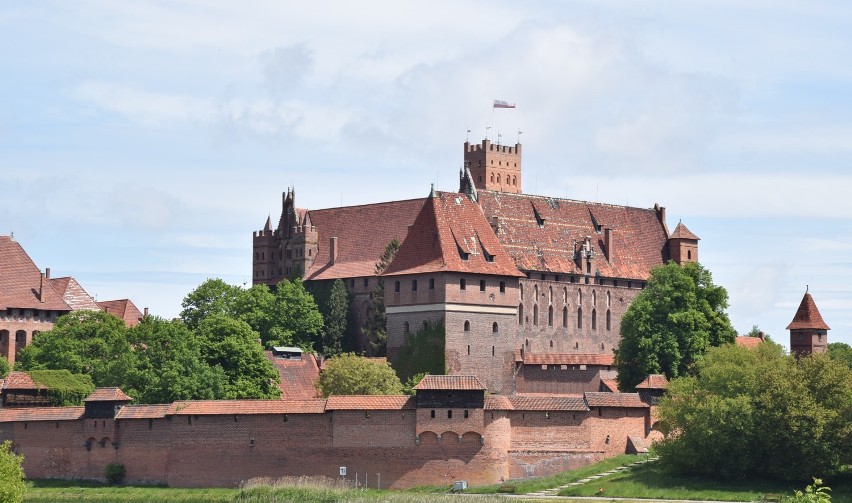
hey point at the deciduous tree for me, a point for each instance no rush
(12, 486)
(671, 324)
(349, 374)
(841, 352)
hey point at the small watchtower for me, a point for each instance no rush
(104, 403)
(683, 245)
(493, 166)
(808, 331)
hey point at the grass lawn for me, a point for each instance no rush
(524, 486)
(649, 481)
(60, 491)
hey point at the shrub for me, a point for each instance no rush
(11, 475)
(114, 473)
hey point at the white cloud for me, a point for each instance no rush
(145, 107)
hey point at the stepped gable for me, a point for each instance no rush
(603, 399)
(540, 234)
(602, 359)
(123, 309)
(681, 232)
(369, 402)
(450, 383)
(297, 378)
(654, 381)
(73, 294)
(451, 234)
(14, 414)
(107, 395)
(548, 402)
(246, 407)
(362, 234)
(21, 280)
(807, 316)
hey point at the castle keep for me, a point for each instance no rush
(530, 290)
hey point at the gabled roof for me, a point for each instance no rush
(609, 386)
(807, 316)
(369, 402)
(297, 378)
(600, 399)
(74, 295)
(107, 395)
(123, 309)
(540, 233)
(362, 234)
(654, 381)
(601, 359)
(18, 380)
(14, 414)
(213, 407)
(20, 281)
(457, 382)
(681, 232)
(748, 341)
(451, 234)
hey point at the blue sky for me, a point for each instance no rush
(142, 143)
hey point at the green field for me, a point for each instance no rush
(55, 491)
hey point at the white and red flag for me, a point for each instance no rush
(503, 104)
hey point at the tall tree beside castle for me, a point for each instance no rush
(376, 329)
(671, 324)
(336, 319)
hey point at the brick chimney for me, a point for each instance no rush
(332, 250)
(47, 273)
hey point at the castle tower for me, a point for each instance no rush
(808, 331)
(494, 167)
(683, 245)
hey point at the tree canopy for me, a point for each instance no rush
(672, 322)
(841, 352)
(758, 411)
(12, 485)
(4, 367)
(349, 374)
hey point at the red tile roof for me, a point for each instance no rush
(600, 399)
(655, 381)
(601, 359)
(74, 294)
(20, 381)
(438, 382)
(808, 316)
(609, 385)
(497, 402)
(10, 414)
(748, 341)
(369, 402)
(298, 378)
(213, 407)
(20, 281)
(123, 309)
(540, 233)
(681, 232)
(539, 402)
(452, 234)
(107, 395)
(362, 234)
(143, 411)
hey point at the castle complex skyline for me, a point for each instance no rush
(140, 143)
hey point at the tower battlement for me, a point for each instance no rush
(486, 145)
(494, 166)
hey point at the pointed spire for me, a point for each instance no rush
(268, 226)
(808, 316)
(681, 232)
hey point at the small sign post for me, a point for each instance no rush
(342, 471)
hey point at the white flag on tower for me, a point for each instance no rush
(503, 104)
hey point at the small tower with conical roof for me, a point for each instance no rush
(808, 331)
(683, 245)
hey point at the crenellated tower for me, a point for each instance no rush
(493, 166)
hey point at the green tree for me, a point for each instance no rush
(746, 412)
(422, 353)
(336, 316)
(233, 346)
(84, 342)
(12, 486)
(841, 352)
(214, 296)
(376, 329)
(5, 368)
(298, 319)
(350, 374)
(170, 365)
(671, 324)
